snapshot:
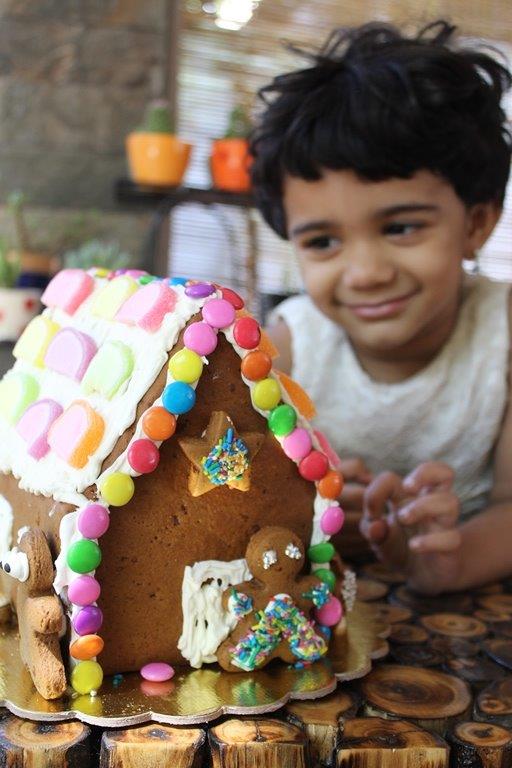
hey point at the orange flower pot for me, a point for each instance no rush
(230, 163)
(157, 158)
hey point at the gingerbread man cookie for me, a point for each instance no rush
(40, 615)
(273, 609)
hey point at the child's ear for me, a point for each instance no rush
(481, 220)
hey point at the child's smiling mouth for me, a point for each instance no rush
(379, 310)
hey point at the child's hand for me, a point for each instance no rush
(356, 478)
(412, 524)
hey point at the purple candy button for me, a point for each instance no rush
(199, 290)
(93, 521)
(157, 672)
(88, 620)
(84, 590)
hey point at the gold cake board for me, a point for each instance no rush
(197, 696)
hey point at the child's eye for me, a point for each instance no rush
(321, 243)
(401, 229)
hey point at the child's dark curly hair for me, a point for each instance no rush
(385, 105)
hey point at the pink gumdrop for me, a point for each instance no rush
(297, 444)
(148, 306)
(200, 338)
(332, 520)
(157, 672)
(93, 521)
(68, 289)
(334, 459)
(35, 424)
(70, 353)
(330, 613)
(83, 590)
(219, 313)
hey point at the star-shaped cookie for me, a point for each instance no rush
(220, 456)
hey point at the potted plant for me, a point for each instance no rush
(36, 267)
(18, 305)
(156, 156)
(230, 160)
(97, 253)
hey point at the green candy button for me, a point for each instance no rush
(84, 556)
(282, 420)
(327, 576)
(321, 553)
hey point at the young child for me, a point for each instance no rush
(385, 163)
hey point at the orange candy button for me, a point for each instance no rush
(331, 485)
(158, 423)
(256, 365)
(86, 647)
(300, 399)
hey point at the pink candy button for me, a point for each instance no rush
(330, 614)
(200, 338)
(297, 444)
(93, 521)
(157, 672)
(219, 313)
(332, 520)
(84, 590)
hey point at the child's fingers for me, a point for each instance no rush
(438, 541)
(352, 496)
(386, 487)
(430, 474)
(355, 470)
(443, 507)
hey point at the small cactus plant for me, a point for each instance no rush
(10, 266)
(239, 126)
(97, 253)
(157, 118)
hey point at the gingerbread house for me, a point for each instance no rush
(145, 432)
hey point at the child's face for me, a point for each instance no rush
(383, 259)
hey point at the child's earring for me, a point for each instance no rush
(473, 265)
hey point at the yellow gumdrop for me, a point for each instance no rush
(34, 341)
(87, 676)
(266, 394)
(186, 366)
(112, 296)
(117, 489)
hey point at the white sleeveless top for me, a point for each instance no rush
(449, 411)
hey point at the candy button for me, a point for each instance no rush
(76, 434)
(68, 289)
(83, 556)
(112, 296)
(282, 420)
(157, 672)
(70, 353)
(35, 424)
(321, 553)
(109, 369)
(327, 577)
(88, 620)
(93, 521)
(117, 489)
(256, 365)
(332, 520)
(331, 485)
(330, 613)
(145, 279)
(218, 313)
(17, 392)
(143, 456)
(34, 341)
(314, 466)
(200, 338)
(87, 676)
(178, 397)
(158, 424)
(186, 366)
(266, 394)
(86, 647)
(178, 280)
(148, 307)
(233, 298)
(247, 333)
(199, 290)
(297, 444)
(84, 590)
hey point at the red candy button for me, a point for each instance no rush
(233, 298)
(246, 332)
(314, 466)
(143, 456)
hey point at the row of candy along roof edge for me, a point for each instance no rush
(119, 491)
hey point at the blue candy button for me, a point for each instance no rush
(178, 280)
(178, 397)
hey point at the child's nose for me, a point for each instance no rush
(368, 268)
